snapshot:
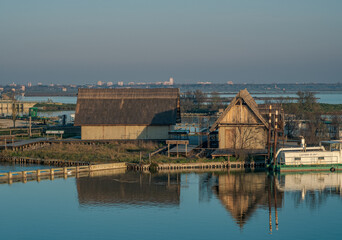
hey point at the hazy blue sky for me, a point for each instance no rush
(252, 41)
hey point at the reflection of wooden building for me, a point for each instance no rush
(243, 124)
(129, 188)
(242, 194)
(127, 113)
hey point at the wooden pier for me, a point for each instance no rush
(50, 162)
(203, 166)
(51, 173)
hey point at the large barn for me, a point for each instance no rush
(241, 125)
(114, 114)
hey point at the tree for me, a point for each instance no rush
(245, 137)
(216, 101)
(14, 108)
(200, 98)
(336, 123)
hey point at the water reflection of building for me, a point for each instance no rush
(242, 194)
(129, 188)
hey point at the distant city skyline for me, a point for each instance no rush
(243, 41)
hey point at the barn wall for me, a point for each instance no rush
(242, 137)
(240, 114)
(22, 107)
(124, 132)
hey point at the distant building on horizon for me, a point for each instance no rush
(204, 83)
(170, 82)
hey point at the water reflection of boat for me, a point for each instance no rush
(305, 182)
(242, 194)
(129, 188)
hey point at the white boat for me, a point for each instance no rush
(326, 156)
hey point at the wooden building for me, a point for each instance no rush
(241, 125)
(22, 108)
(244, 124)
(108, 114)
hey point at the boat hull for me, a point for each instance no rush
(302, 168)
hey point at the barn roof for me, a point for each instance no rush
(249, 100)
(132, 106)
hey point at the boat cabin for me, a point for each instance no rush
(329, 152)
(334, 145)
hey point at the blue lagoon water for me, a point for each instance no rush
(12, 167)
(323, 97)
(132, 205)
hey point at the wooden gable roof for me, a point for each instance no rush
(158, 106)
(248, 99)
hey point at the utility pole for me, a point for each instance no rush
(275, 138)
(14, 109)
(30, 126)
(269, 132)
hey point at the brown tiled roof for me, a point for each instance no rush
(159, 106)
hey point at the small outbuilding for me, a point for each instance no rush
(241, 125)
(130, 113)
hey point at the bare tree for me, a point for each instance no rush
(14, 108)
(243, 138)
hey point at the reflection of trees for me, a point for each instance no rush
(314, 199)
(206, 182)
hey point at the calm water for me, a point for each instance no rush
(330, 97)
(325, 97)
(119, 205)
(11, 167)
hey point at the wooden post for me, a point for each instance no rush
(208, 133)
(208, 139)
(140, 158)
(275, 138)
(168, 179)
(275, 202)
(30, 126)
(177, 149)
(168, 150)
(186, 149)
(269, 132)
(269, 207)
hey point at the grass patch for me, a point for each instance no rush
(106, 153)
(100, 153)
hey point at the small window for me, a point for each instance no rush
(297, 158)
(320, 158)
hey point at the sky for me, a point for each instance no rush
(244, 41)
